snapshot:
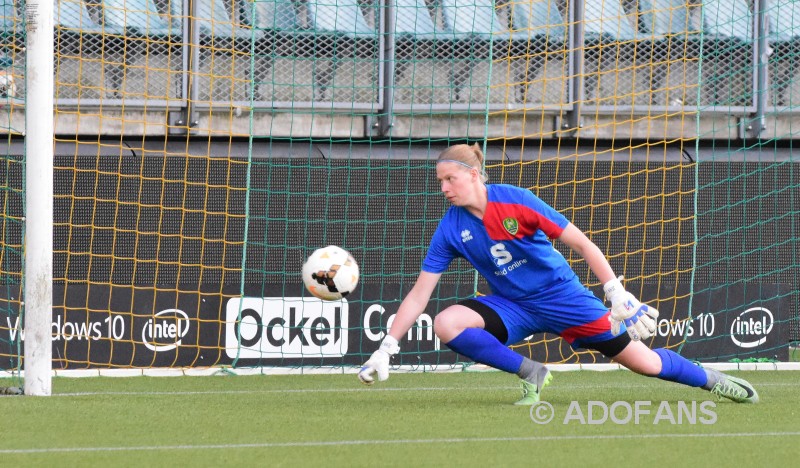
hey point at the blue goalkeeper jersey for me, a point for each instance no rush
(509, 246)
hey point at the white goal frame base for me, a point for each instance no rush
(209, 371)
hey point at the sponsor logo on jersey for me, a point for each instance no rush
(466, 235)
(511, 225)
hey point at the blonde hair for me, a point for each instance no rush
(466, 155)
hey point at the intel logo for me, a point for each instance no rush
(165, 330)
(751, 327)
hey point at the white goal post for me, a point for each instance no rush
(38, 263)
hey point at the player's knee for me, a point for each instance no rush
(445, 326)
(449, 323)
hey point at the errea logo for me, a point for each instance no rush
(466, 235)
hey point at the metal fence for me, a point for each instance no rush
(407, 55)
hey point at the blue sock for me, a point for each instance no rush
(481, 346)
(677, 368)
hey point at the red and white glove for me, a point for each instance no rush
(378, 363)
(639, 319)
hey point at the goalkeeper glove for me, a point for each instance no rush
(379, 362)
(639, 319)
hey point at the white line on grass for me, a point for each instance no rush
(366, 389)
(291, 390)
(395, 442)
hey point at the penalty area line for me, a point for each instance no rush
(342, 443)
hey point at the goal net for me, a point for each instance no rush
(204, 148)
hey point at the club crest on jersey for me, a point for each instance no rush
(511, 225)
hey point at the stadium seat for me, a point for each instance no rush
(77, 33)
(416, 37)
(12, 28)
(728, 19)
(214, 21)
(666, 38)
(216, 27)
(669, 35)
(224, 47)
(276, 16)
(605, 21)
(10, 18)
(784, 40)
(538, 33)
(76, 36)
(147, 34)
(343, 17)
(413, 19)
(538, 22)
(71, 16)
(661, 20)
(72, 23)
(474, 27)
(11, 41)
(337, 32)
(728, 53)
(784, 20)
(140, 17)
(346, 36)
(609, 37)
(280, 35)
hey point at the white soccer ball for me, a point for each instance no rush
(330, 273)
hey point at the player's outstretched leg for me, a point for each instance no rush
(677, 368)
(668, 365)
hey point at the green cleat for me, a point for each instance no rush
(532, 388)
(733, 388)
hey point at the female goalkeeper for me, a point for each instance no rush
(503, 231)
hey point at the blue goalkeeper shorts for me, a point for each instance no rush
(575, 314)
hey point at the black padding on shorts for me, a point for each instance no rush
(493, 323)
(612, 347)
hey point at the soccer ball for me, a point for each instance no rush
(330, 273)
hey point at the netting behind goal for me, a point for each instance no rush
(12, 193)
(747, 201)
(205, 148)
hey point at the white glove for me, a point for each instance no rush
(639, 319)
(379, 362)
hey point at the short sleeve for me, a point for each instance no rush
(440, 253)
(550, 221)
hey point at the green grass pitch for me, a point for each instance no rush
(420, 419)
